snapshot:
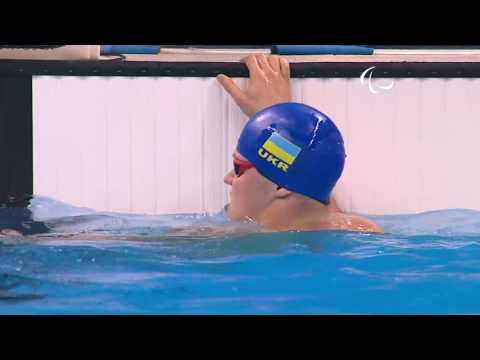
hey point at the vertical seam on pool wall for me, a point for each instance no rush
(179, 143)
(130, 147)
(107, 126)
(420, 143)
(226, 158)
(155, 146)
(202, 141)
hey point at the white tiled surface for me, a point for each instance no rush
(162, 145)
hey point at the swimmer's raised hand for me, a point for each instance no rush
(269, 83)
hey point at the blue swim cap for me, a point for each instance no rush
(296, 147)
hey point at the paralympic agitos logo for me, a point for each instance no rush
(372, 87)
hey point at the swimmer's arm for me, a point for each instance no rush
(175, 233)
(269, 83)
(10, 232)
(90, 236)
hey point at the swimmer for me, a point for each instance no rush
(288, 158)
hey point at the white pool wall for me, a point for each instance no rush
(159, 145)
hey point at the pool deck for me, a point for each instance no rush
(465, 56)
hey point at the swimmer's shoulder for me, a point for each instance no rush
(360, 223)
(343, 221)
(352, 222)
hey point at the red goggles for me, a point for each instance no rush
(240, 166)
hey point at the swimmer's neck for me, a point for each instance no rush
(297, 213)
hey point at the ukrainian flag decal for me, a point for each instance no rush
(282, 148)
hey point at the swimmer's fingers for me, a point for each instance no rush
(231, 87)
(274, 61)
(253, 67)
(285, 68)
(264, 64)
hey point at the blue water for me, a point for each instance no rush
(426, 263)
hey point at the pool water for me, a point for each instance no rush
(426, 263)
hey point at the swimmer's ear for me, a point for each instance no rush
(282, 192)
